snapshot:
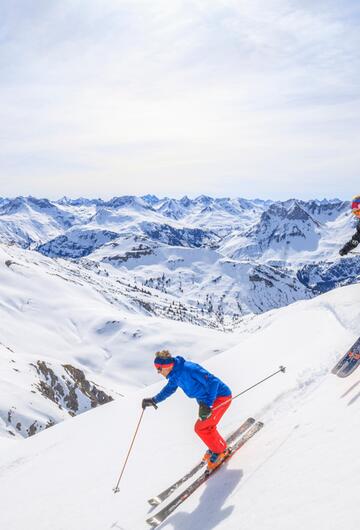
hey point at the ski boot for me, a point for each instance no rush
(216, 459)
(207, 456)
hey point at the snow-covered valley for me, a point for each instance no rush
(72, 338)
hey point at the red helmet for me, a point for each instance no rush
(355, 206)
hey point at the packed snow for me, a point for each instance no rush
(57, 316)
(300, 471)
(90, 289)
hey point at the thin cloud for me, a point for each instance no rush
(179, 97)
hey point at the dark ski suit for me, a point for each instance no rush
(354, 241)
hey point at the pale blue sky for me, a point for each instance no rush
(253, 98)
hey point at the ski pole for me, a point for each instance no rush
(281, 369)
(116, 489)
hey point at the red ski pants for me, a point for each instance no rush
(207, 430)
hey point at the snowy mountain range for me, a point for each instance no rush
(90, 287)
(176, 244)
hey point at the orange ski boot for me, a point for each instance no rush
(216, 459)
(207, 456)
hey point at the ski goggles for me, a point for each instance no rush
(355, 206)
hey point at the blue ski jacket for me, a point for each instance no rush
(195, 381)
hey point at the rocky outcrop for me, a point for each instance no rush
(88, 389)
(66, 388)
(64, 385)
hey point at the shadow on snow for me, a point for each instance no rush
(209, 512)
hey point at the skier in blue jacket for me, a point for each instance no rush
(209, 391)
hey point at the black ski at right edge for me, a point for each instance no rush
(160, 517)
(158, 499)
(349, 362)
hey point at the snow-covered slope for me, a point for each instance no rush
(73, 337)
(219, 286)
(301, 471)
(26, 221)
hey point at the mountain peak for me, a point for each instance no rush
(127, 200)
(297, 213)
(204, 199)
(150, 199)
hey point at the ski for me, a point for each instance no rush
(349, 362)
(160, 517)
(158, 499)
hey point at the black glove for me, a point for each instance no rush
(343, 252)
(204, 411)
(148, 402)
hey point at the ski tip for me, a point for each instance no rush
(153, 522)
(154, 501)
(341, 374)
